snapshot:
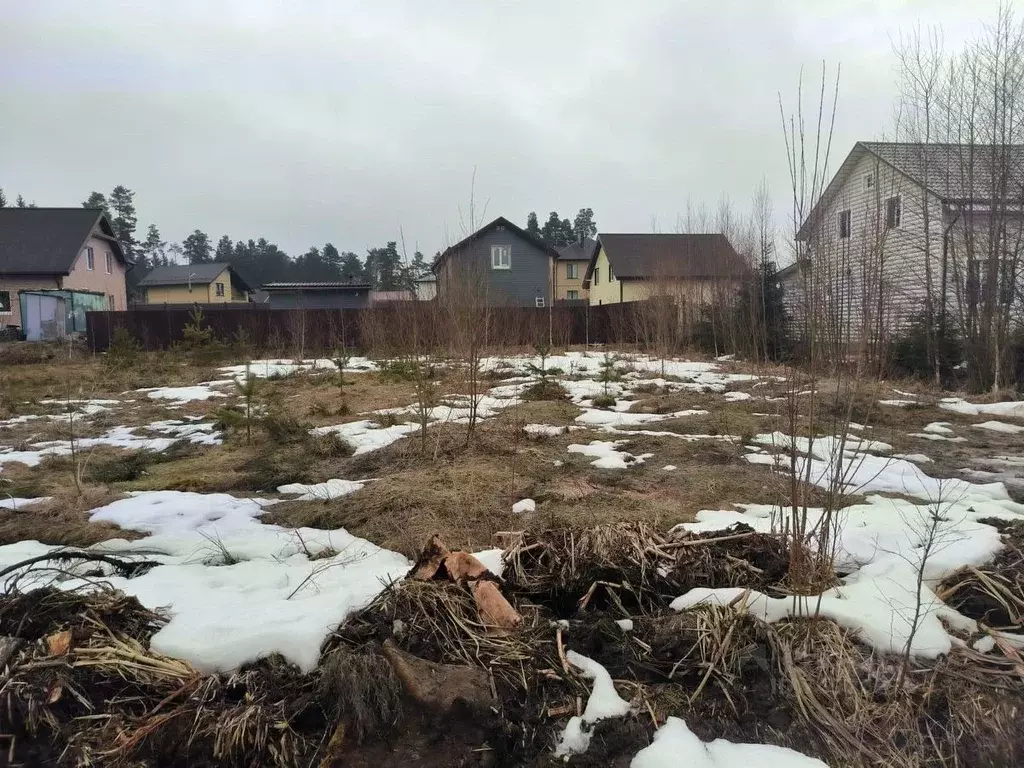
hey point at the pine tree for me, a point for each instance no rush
(351, 267)
(96, 200)
(3, 199)
(419, 267)
(332, 261)
(583, 225)
(557, 232)
(124, 221)
(20, 202)
(153, 248)
(196, 248)
(225, 249)
(384, 268)
(531, 224)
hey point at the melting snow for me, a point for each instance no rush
(524, 505)
(182, 394)
(675, 745)
(883, 543)
(604, 702)
(273, 600)
(608, 454)
(1000, 426)
(1013, 409)
(332, 489)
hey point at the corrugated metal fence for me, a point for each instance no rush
(322, 330)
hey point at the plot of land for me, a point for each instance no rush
(267, 512)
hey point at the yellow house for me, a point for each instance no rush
(693, 268)
(569, 269)
(214, 283)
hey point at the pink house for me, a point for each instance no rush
(64, 257)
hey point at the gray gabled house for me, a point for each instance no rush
(501, 264)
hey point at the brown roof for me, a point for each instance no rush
(639, 257)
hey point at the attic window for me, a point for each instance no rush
(501, 257)
(844, 224)
(869, 181)
(90, 259)
(500, 227)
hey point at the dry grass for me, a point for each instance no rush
(63, 520)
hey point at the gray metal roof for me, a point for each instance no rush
(573, 252)
(317, 285)
(48, 240)
(980, 172)
(184, 274)
(951, 172)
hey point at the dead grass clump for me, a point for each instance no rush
(63, 519)
(992, 594)
(361, 691)
(469, 501)
(735, 557)
(609, 565)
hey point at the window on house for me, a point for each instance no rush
(893, 212)
(611, 277)
(597, 275)
(572, 271)
(5, 302)
(844, 225)
(572, 295)
(501, 257)
(111, 302)
(869, 181)
(110, 263)
(90, 259)
(220, 289)
(539, 301)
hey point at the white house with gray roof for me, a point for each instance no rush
(901, 225)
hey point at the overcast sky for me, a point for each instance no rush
(307, 121)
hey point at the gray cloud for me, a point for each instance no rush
(312, 121)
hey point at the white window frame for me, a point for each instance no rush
(869, 180)
(90, 259)
(538, 302)
(501, 257)
(10, 304)
(218, 289)
(110, 263)
(572, 271)
(572, 295)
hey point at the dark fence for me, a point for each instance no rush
(319, 331)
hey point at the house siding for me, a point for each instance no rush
(528, 279)
(80, 278)
(320, 300)
(606, 291)
(202, 293)
(877, 279)
(564, 283)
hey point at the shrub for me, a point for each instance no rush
(911, 355)
(395, 371)
(284, 428)
(328, 445)
(386, 419)
(545, 389)
(124, 350)
(604, 401)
